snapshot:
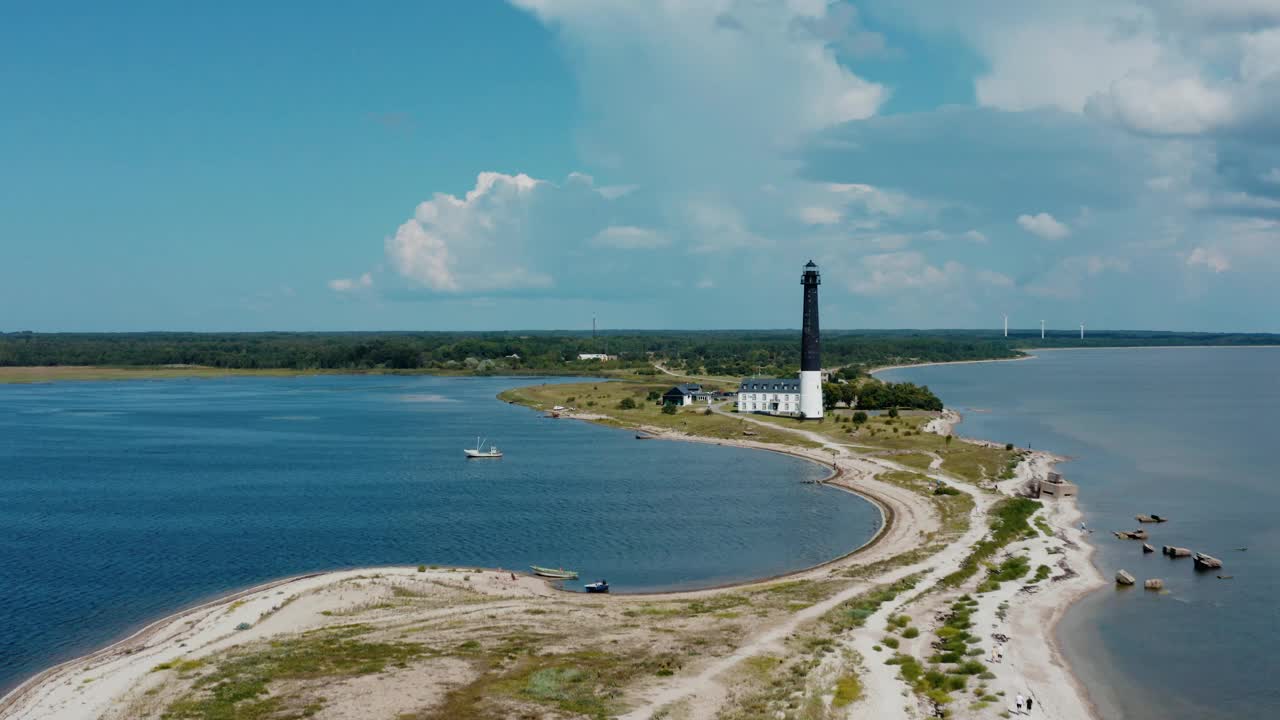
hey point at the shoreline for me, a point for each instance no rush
(134, 658)
(154, 627)
(884, 368)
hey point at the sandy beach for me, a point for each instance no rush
(873, 371)
(711, 660)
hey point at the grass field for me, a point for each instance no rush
(605, 398)
(972, 462)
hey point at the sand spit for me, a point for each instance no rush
(678, 656)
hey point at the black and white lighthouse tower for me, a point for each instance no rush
(810, 347)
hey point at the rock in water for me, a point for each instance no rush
(1154, 584)
(1147, 548)
(1124, 578)
(1207, 562)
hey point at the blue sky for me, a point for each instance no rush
(526, 164)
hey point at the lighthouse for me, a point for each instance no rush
(810, 347)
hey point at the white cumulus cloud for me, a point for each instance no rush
(816, 215)
(629, 237)
(1211, 258)
(1044, 225)
(899, 271)
(365, 280)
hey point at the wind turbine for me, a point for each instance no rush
(1006, 324)
(1081, 331)
(1041, 329)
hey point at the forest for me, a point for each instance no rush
(730, 353)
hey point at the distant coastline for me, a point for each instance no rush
(885, 368)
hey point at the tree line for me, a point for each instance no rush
(732, 353)
(872, 394)
(728, 353)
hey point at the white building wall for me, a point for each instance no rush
(811, 393)
(788, 403)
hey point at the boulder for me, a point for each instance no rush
(1207, 562)
(1147, 548)
(1175, 552)
(1154, 584)
(1124, 578)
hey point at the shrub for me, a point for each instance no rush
(627, 404)
(422, 568)
(1008, 446)
(848, 689)
(669, 409)
(653, 395)
(890, 641)
(893, 412)
(911, 633)
(859, 417)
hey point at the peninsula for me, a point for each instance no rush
(962, 564)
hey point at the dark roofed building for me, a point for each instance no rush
(681, 395)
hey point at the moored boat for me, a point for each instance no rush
(600, 586)
(554, 573)
(479, 452)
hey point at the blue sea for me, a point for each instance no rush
(1188, 433)
(121, 502)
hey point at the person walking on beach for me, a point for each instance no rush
(1017, 704)
(1028, 704)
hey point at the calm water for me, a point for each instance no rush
(124, 501)
(1189, 433)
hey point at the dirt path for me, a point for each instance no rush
(701, 693)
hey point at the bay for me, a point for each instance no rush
(124, 501)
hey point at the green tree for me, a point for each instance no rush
(859, 417)
(893, 412)
(830, 396)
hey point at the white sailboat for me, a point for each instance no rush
(479, 452)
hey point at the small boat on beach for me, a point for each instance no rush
(600, 586)
(479, 452)
(642, 435)
(554, 574)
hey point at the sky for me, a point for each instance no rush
(530, 164)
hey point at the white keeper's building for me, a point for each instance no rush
(772, 396)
